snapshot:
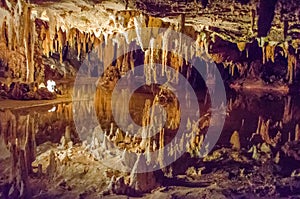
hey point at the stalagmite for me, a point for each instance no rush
(277, 158)
(141, 182)
(104, 143)
(52, 167)
(68, 134)
(118, 137)
(255, 154)
(111, 132)
(235, 140)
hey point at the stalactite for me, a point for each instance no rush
(241, 46)
(78, 45)
(61, 43)
(26, 36)
(199, 43)
(285, 48)
(253, 19)
(47, 44)
(261, 43)
(231, 68)
(131, 60)
(206, 43)
(139, 23)
(151, 60)
(4, 31)
(192, 52)
(32, 53)
(147, 67)
(185, 47)
(10, 30)
(270, 53)
(84, 42)
(72, 34)
(165, 48)
(108, 52)
(285, 28)
(292, 64)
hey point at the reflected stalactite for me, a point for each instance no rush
(263, 129)
(19, 137)
(287, 113)
(297, 132)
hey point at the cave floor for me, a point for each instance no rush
(225, 173)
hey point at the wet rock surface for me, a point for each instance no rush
(24, 91)
(225, 173)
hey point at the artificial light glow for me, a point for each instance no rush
(52, 110)
(51, 85)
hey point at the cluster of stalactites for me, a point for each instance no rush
(172, 51)
(160, 47)
(18, 34)
(268, 50)
(56, 34)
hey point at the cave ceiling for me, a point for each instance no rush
(233, 20)
(52, 25)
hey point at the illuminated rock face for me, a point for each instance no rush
(232, 33)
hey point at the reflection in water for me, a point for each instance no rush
(250, 120)
(269, 118)
(22, 130)
(267, 115)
